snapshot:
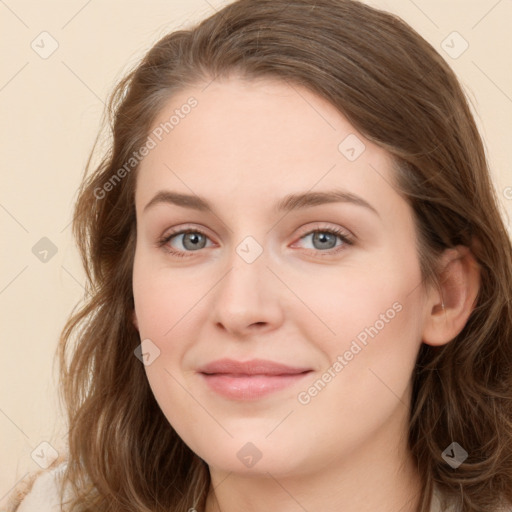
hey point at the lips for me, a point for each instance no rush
(252, 367)
(250, 380)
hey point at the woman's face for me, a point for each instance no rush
(300, 253)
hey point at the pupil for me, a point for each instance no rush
(194, 239)
(324, 238)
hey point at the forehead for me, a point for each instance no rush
(251, 139)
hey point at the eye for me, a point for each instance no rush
(325, 240)
(187, 240)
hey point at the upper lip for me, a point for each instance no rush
(251, 367)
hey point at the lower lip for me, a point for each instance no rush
(250, 387)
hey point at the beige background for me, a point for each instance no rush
(51, 109)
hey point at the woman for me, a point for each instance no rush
(300, 283)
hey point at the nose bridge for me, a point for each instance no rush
(247, 294)
(248, 271)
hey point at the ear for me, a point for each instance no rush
(448, 308)
(134, 320)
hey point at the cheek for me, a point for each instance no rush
(374, 319)
(162, 298)
(343, 302)
(371, 359)
(366, 381)
(162, 303)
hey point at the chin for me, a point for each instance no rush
(254, 455)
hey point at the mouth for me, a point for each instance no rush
(250, 380)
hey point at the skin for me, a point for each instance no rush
(244, 147)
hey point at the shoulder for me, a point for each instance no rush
(40, 492)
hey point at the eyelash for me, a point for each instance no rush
(183, 254)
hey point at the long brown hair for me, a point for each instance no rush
(398, 92)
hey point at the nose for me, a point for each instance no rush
(248, 300)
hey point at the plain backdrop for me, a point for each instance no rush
(60, 60)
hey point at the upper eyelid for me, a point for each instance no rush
(342, 231)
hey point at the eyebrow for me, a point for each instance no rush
(288, 203)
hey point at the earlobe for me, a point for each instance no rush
(448, 308)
